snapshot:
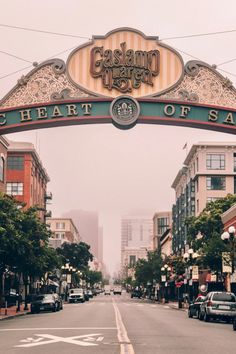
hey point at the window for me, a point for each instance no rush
(1, 169)
(163, 225)
(15, 188)
(234, 162)
(15, 163)
(215, 183)
(215, 162)
(60, 225)
(132, 261)
(60, 235)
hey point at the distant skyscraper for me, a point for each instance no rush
(136, 240)
(87, 225)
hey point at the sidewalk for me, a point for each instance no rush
(11, 312)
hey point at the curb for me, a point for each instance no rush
(10, 317)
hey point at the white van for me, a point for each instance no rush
(107, 290)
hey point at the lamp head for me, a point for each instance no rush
(225, 236)
(231, 230)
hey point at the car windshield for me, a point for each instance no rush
(224, 297)
(76, 291)
(44, 297)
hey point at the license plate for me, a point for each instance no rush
(41, 308)
(223, 307)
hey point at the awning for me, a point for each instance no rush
(50, 282)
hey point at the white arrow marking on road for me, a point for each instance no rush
(56, 339)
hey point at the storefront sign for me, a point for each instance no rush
(195, 275)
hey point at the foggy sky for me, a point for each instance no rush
(98, 167)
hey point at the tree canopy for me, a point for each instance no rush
(76, 254)
(209, 226)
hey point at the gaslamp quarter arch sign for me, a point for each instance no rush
(124, 78)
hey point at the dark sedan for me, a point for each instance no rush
(136, 293)
(45, 302)
(194, 307)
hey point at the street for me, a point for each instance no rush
(115, 324)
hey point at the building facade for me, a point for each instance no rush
(136, 241)
(3, 158)
(162, 221)
(209, 173)
(63, 230)
(26, 177)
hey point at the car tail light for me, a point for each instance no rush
(209, 303)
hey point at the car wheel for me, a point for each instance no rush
(54, 308)
(200, 316)
(206, 318)
(234, 325)
(190, 315)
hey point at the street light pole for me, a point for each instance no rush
(190, 256)
(165, 277)
(229, 237)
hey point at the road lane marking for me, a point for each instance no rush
(125, 345)
(85, 342)
(56, 328)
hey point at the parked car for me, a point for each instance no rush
(90, 294)
(44, 302)
(107, 290)
(76, 295)
(218, 305)
(117, 290)
(136, 293)
(194, 307)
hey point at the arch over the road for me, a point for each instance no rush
(123, 78)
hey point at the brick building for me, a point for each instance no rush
(26, 177)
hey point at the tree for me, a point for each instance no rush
(10, 235)
(93, 277)
(147, 270)
(209, 224)
(76, 254)
(23, 241)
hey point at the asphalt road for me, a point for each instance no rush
(114, 325)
